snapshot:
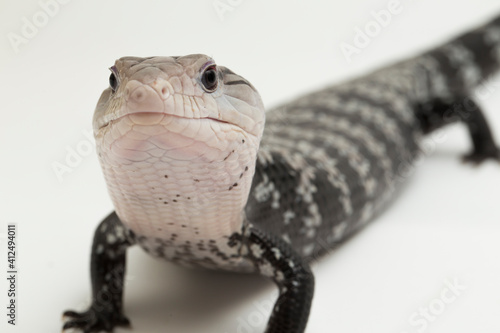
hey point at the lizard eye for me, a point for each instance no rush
(209, 79)
(113, 81)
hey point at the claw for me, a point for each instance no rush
(94, 321)
(73, 314)
(123, 322)
(476, 158)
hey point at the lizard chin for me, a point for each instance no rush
(192, 175)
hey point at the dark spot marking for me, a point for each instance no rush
(225, 158)
(242, 141)
(189, 198)
(235, 184)
(177, 195)
(230, 188)
(165, 202)
(174, 200)
(229, 83)
(131, 234)
(166, 176)
(246, 168)
(241, 176)
(184, 226)
(196, 180)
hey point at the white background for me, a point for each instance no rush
(445, 225)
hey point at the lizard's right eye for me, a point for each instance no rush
(113, 81)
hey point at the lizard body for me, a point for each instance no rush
(197, 179)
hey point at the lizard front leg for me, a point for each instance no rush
(274, 258)
(107, 274)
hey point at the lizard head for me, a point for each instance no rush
(191, 87)
(169, 128)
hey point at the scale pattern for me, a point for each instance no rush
(331, 160)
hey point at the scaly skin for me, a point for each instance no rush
(178, 160)
(179, 141)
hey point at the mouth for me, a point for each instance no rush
(153, 118)
(141, 135)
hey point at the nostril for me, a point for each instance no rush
(138, 94)
(164, 91)
(163, 88)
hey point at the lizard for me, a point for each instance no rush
(200, 174)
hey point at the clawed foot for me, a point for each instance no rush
(477, 158)
(94, 321)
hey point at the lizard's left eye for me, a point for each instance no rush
(209, 79)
